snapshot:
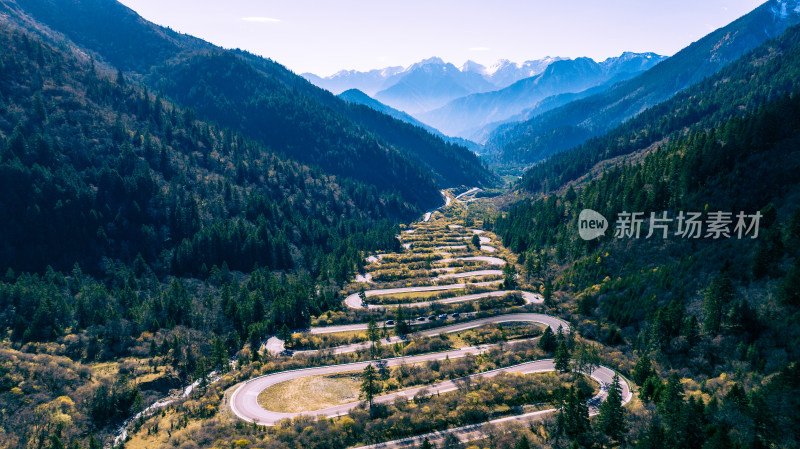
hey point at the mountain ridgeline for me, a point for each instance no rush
(576, 122)
(760, 76)
(465, 116)
(95, 169)
(710, 309)
(261, 99)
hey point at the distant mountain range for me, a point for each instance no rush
(466, 116)
(462, 101)
(573, 123)
(499, 75)
(431, 83)
(355, 96)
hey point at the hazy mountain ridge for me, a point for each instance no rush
(574, 123)
(501, 74)
(357, 97)
(467, 115)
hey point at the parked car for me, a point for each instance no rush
(455, 315)
(432, 318)
(443, 316)
(420, 318)
(390, 322)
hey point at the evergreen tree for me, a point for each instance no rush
(509, 277)
(561, 359)
(370, 385)
(523, 443)
(426, 444)
(547, 294)
(547, 342)
(643, 369)
(612, 414)
(671, 408)
(476, 241)
(530, 266)
(573, 416)
(94, 444)
(286, 335)
(374, 335)
(716, 296)
(400, 321)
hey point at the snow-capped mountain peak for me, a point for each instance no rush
(472, 66)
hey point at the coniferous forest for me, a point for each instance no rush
(183, 224)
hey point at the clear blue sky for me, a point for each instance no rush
(324, 36)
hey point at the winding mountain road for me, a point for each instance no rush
(244, 400)
(273, 344)
(354, 301)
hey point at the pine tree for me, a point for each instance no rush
(612, 414)
(509, 277)
(523, 443)
(548, 293)
(400, 322)
(374, 335)
(547, 342)
(426, 444)
(370, 386)
(642, 370)
(561, 359)
(573, 416)
(530, 266)
(286, 335)
(672, 409)
(716, 296)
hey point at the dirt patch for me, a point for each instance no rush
(311, 393)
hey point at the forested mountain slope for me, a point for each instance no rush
(574, 123)
(260, 98)
(716, 317)
(762, 75)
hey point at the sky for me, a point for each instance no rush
(325, 36)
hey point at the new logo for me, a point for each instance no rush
(591, 224)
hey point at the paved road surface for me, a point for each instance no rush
(354, 301)
(553, 322)
(469, 192)
(490, 260)
(467, 274)
(244, 401)
(476, 431)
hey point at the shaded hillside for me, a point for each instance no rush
(716, 316)
(96, 169)
(315, 127)
(760, 76)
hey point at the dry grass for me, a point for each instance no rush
(311, 393)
